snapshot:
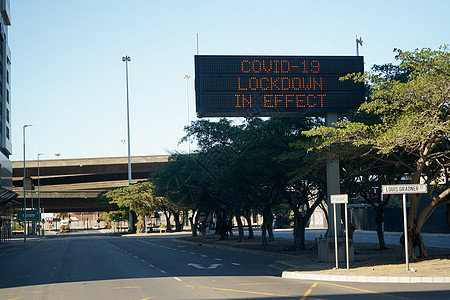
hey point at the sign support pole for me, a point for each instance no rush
(346, 236)
(340, 199)
(335, 237)
(405, 225)
(403, 189)
(333, 185)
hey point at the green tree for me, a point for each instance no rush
(414, 128)
(138, 197)
(184, 183)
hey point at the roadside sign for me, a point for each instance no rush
(336, 199)
(404, 189)
(32, 215)
(340, 199)
(399, 189)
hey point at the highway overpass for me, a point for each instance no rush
(73, 184)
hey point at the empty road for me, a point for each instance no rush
(92, 265)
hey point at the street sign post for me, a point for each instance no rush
(399, 189)
(340, 199)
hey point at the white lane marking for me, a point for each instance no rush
(235, 264)
(162, 271)
(176, 278)
(218, 259)
(193, 253)
(151, 265)
(198, 266)
(203, 255)
(214, 266)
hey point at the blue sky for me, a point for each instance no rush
(68, 78)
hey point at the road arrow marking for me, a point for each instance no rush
(196, 266)
(213, 266)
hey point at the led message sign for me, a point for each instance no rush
(242, 86)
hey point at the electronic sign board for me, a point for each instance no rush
(266, 86)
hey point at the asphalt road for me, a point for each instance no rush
(90, 265)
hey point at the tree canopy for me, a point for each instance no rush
(412, 104)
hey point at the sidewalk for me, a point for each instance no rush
(17, 242)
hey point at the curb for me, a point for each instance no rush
(365, 279)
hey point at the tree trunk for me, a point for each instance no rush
(248, 217)
(132, 221)
(222, 227)
(202, 228)
(168, 214)
(414, 240)
(193, 227)
(178, 224)
(380, 232)
(299, 231)
(193, 222)
(140, 224)
(230, 227)
(268, 217)
(264, 241)
(240, 228)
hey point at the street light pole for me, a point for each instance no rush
(39, 193)
(24, 189)
(126, 59)
(187, 76)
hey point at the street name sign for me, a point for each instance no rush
(337, 199)
(398, 189)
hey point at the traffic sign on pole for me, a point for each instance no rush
(399, 189)
(404, 189)
(337, 199)
(340, 199)
(32, 215)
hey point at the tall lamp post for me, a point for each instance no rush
(126, 59)
(24, 189)
(187, 76)
(39, 193)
